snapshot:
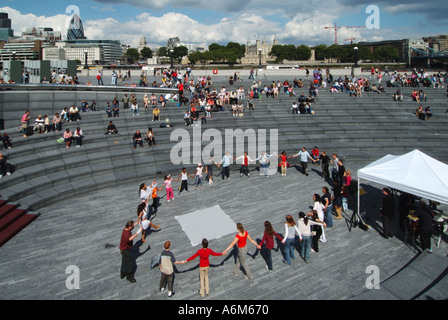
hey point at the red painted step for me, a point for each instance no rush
(10, 218)
(14, 228)
(7, 208)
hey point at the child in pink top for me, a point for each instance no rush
(169, 188)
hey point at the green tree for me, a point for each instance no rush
(162, 52)
(364, 53)
(180, 52)
(214, 47)
(195, 57)
(319, 51)
(146, 53)
(384, 53)
(238, 49)
(334, 52)
(132, 55)
(303, 52)
(284, 52)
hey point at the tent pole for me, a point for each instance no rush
(359, 197)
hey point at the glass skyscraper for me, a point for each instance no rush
(75, 29)
(5, 27)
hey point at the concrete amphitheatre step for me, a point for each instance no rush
(360, 128)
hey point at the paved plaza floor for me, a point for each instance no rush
(84, 232)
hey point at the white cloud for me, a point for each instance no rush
(21, 21)
(217, 5)
(304, 26)
(158, 30)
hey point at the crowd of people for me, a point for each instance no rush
(307, 227)
(417, 78)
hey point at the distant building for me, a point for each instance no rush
(438, 43)
(5, 27)
(253, 51)
(173, 42)
(404, 46)
(142, 43)
(45, 33)
(98, 51)
(75, 30)
(191, 47)
(53, 53)
(23, 49)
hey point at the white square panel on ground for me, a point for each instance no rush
(210, 223)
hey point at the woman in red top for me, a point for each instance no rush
(268, 238)
(283, 163)
(204, 264)
(241, 239)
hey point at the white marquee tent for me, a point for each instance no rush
(415, 173)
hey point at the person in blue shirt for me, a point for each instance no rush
(304, 155)
(108, 110)
(226, 161)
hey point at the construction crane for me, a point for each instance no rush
(335, 27)
(350, 39)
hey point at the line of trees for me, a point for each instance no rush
(132, 54)
(334, 52)
(233, 52)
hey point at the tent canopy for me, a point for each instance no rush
(415, 173)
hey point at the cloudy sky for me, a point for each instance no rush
(221, 21)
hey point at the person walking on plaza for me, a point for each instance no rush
(126, 243)
(167, 260)
(289, 238)
(226, 161)
(245, 164)
(99, 77)
(143, 219)
(325, 163)
(241, 240)
(328, 207)
(304, 156)
(155, 196)
(169, 188)
(204, 265)
(316, 231)
(198, 177)
(304, 225)
(209, 170)
(184, 182)
(264, 160)
(335, 168)
(283, 163)
(268, 242)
